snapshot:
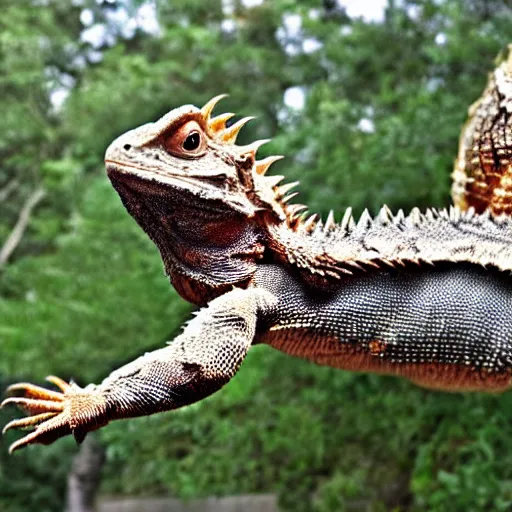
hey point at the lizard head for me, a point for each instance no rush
(202, 199)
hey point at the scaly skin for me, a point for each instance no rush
(425, 296)
(482, 177)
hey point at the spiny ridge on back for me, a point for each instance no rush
(367, 244)
(393, 240)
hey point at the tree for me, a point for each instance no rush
(84, 291)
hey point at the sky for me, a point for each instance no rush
(369, 10)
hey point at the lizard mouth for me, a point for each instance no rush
(155, 193)
(142, 181)
(149, 181)
(144, 199)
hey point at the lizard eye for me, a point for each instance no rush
(187, 141)
(192, 142)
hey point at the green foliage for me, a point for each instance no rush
(104, 284)
(85, 292)
(323, 440)
(95, 303)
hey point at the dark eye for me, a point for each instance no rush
(186, 141)
(192, 142)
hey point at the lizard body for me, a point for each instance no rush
(424, 296)
(426, 325)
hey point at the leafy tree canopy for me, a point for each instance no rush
(378, 105)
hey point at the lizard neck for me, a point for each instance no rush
(206, 248)
(288, 246)
(207, 253)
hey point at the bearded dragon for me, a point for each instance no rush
(426, 296)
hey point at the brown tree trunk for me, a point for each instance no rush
(85, 476)
(19, 229)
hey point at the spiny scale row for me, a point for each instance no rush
(314, 226)
(228, 135)
(217, 125)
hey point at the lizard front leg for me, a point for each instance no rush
(196, 364)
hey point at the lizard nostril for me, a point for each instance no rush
(127, 147)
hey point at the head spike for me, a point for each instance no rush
(443, 214)
(294, 209)
(206, 110)
(385, 216)
(310, 223)
(283, 189)
(415, 216)
(253, 146)
(429, 215)
(289, 197)
(483, 217)
(469, 213)
(318, 230)
(218, 123)
(263, 165)
(298, 221)
(365, 221)
(455, 214)
(229, 134)
(347, 219)
(272, 181)
(399, 218)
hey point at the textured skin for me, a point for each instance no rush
(395, 240)
(425, 296)
(482, 177)
(427, 325)
(197, 363)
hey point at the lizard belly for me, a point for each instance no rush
(447, 328)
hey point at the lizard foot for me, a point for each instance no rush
(53, 414)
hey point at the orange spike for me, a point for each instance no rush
(218, 123)
(263, 165)
(206, 110)
(229, 135)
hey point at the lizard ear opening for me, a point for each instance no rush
(187, 141)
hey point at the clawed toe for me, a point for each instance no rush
(45, 408)
(61, 384)
(34, 406)
(24, 441)
(32, 391)
(30, 421)
(54, 414)
(45, 433)
(37, 400)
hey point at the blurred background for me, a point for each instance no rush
(366, 99)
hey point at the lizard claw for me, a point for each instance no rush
(32, 391)
(53, 414)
